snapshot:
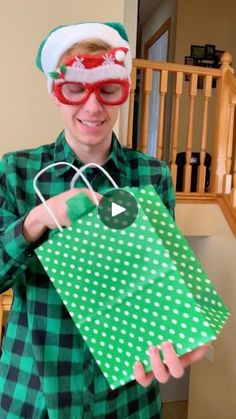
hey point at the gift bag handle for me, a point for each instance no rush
(84, 167)
(79, 172)
(41, 196)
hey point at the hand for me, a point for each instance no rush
(174, 365)
(38, 220)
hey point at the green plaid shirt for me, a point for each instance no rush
(46, 368)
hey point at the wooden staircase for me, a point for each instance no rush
(210, 109)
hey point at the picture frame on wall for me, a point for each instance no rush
(204, 56)
(197, 51)
(210, 51)
(189, 60)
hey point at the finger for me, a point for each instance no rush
(61, 211)
(91, 195)
(141, 376)
(172, 361)
(194, 355)
(65, 221)
(160, 371)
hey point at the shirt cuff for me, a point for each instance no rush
(16, 245)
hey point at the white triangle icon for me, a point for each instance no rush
(116, 209)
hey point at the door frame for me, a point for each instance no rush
(165, 27)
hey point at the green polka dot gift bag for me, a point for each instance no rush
(132, 287)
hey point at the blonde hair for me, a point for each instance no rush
(90, 46)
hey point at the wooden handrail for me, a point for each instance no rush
(147, 88)
(163, 92)
(189, 141)
(230, 164)
(178, 89)
(133, 78)
(221, 123)
(223, 177)
(233, 192)
(201, 180)
(231, 81)
(174, 68)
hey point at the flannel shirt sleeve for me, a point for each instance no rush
(15, 250)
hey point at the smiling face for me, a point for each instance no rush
(91, 123)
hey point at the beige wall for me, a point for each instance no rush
(27, 117)
(208, 220)
(213, 384)
(202, 22)
(130, 21)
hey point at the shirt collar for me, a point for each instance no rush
(116, 156)
(64, 153)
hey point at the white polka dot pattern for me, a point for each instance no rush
(128, 289)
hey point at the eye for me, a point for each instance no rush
(73, 91)
(110, 89)
(74, 88)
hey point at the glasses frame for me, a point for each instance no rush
(92, 88)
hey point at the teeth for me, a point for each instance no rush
(91, 123)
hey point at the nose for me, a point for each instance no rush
(92, 105)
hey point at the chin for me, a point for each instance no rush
(90, 141)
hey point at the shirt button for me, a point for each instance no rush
(87, 364)
(29, 253)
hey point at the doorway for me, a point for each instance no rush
(156, 49)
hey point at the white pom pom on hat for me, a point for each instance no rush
(120, 56)
(64, 37)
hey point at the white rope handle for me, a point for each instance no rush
(84, 167)
(79, 173)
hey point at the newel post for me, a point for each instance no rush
(222, 120)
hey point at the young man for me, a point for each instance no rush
(46, 368)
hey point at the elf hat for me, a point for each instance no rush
(64, 37)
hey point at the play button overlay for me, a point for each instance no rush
(118, 209)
